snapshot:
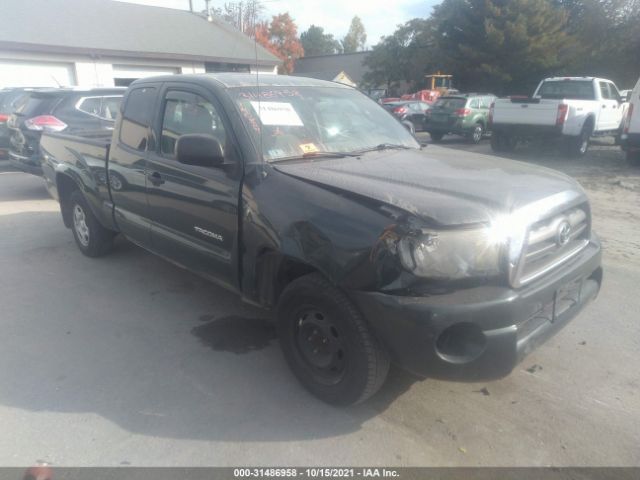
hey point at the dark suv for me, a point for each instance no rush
(10, 98)
(464, 114)
(58, 110)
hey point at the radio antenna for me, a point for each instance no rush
(255, 46)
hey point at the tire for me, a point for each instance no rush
(409, 126)
(327, 344)
(633, 158)
(502, 143)
(496, 142)
(436, 137)
(92, 238)
(475, 136)
(578, 147)
(117, 181)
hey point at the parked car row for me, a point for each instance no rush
(466, 115)
(570, 110)
(28, 112)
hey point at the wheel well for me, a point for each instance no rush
(66, 186)
(591, 121)
(275, 272)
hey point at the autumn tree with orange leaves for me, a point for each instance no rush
(280, 37)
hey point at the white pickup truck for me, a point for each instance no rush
(573, 109)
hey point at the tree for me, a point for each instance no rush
(607, 36)
(356, 38)
(502, 46)
(280, 38)
(315, 42)
(243, 15)
(405, 56)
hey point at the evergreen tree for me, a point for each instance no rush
(316, 42)
(502, 46)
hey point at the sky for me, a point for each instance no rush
(380, 17)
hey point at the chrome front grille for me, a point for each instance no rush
(552, 241)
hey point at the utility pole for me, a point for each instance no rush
(209, 17)
(191, 6)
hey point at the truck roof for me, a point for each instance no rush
(554, 79)
(231, 80)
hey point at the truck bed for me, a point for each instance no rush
(87, 152)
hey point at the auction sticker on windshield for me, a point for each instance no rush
(277, 113)
(309, 148)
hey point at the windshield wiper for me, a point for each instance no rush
(311, 155)
(382, 146)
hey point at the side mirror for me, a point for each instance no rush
(200, 150)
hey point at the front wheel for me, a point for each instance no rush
(328, 345)
(91, 237)
(436, 137)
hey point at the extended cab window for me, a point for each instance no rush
(136, 117)
(186, 113)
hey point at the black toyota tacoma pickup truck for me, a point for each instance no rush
(308, 198)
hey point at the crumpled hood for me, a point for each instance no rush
(442, 185)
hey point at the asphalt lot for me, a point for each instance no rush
(128, 360)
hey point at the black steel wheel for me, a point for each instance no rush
(326, 342)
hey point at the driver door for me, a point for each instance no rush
(194, 209)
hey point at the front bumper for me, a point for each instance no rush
(512, 322)
(26, 164)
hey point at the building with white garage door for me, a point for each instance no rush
(103, 43)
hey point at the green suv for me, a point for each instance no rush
(464, 114)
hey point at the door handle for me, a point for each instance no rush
(155, 178)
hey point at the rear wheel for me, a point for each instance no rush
(328, 344)
(436, 136)
(91, 237)
(634, 158)
(578, 147)
(501, 142)
(475, 136)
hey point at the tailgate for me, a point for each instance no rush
(525, 112)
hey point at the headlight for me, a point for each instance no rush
(462, 253)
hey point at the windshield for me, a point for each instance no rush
(450, 103)
(299, 121)
(9, 101)
(569, 89)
